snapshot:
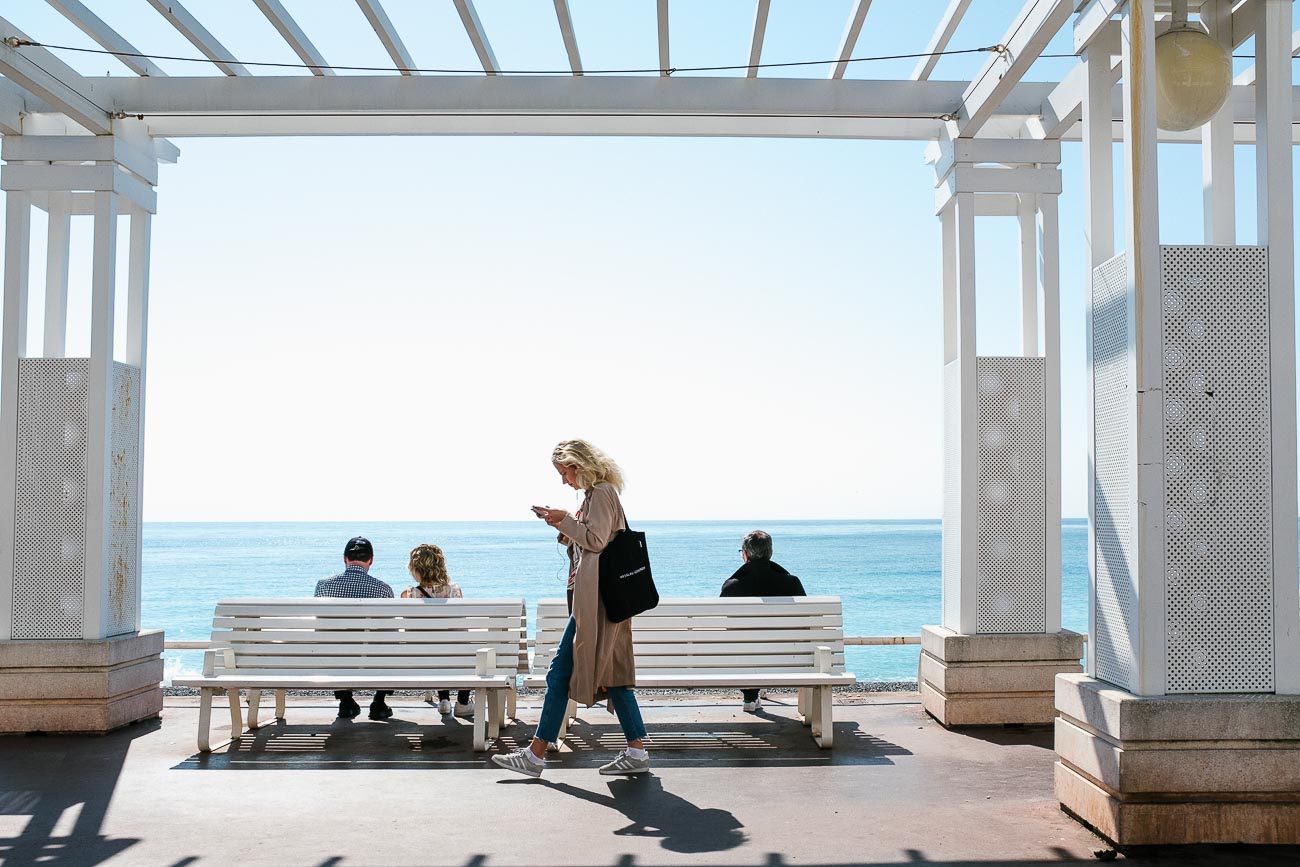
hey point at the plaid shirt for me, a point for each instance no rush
(353, 583)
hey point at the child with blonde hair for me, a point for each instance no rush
(428, 566)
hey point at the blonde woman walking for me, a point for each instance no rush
(428, 567)
(594, 658)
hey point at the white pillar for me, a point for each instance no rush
(1217, 164)
(1000, 645)
(71, 435)
(13, 346)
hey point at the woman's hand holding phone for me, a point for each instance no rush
(549, 515)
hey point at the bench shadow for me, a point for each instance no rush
(64, 784)
(400, 743)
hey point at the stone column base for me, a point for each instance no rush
(1167, 770)
(71, 686)
(975, 680)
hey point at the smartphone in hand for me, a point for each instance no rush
(539, 511)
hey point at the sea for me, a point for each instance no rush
(886, 572)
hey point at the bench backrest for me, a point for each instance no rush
(373, 636)
(767, 635)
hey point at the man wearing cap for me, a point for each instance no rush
(356, 582)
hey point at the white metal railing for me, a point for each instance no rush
(858, 640)
(849, 641)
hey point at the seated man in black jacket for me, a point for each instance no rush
(759, 576)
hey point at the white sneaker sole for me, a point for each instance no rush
(627, 773)
(500, 763)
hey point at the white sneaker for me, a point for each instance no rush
(444, 707)
(465, 711)
(753, 706)
(520, 763)
(624, 764)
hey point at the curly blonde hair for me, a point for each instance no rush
(592, 464)
(428, 566)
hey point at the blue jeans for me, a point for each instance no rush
(621, 699)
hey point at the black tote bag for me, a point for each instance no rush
(626, 585)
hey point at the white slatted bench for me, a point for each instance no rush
(279, 644)
(774, 641)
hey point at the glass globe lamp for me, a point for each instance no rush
(1193, 78)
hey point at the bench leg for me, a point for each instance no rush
(805, 706)
(512, 703)
(824, 731)
(206, 696)
(480, 726)
(236, 716)
(495, 704)
(254, 705)
(279, 704)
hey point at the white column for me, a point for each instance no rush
(1143, 281)
(1050, 279)
(1273, 122)
(13, 346)
(100, 431)
(1098, 158)
(137, 342)
(1026, 209)
(1217, 164)
(56, 275)
(964, 216)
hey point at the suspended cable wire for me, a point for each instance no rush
(993, 49)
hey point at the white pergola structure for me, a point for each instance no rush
(1189, 708)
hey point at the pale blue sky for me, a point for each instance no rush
(751, 327)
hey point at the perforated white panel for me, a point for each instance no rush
(123, 507)
(1011, 590)
(50, 532)
(1114, 591)
(1218, 470)
(952, 496)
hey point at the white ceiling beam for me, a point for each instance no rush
(189, 27)
(849, 40)
(12, 108)
(477, 37)
(43, 75)
(570, 38)
(282, 21)
(665, 57)
(939, 39)
(760, 32)
(387, 34)
(109, 39)
(1033, 28)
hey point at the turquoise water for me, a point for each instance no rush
(887, 572)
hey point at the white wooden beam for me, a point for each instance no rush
(12, 108)
(387, 34)
(1098, 159)
(1092, 20)
(42, 74)
(849, 39)
(661, 19)
(1218, 163)
(282, 21)
(1275, 204)
(1247, 75)
(1033, 28)
(189, 27)
(570, 38)
(56, 275)
(760, 32)
(1027, 222)
(108, 38)
(939, 39)
(13, 346)
(477, 37)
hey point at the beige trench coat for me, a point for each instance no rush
(602, 651)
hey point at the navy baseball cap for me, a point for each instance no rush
(358, 548)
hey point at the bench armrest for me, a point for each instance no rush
(210, 659)
(823, 659)
(485, 661)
